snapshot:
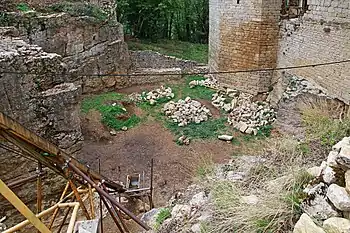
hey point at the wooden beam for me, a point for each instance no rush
(56, 210)
(77, 196)
(22, 208)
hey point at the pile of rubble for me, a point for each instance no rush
(329, 199)
(209, 82)
(297, 86)
(246, 115)
(153, 96)
(186, 111)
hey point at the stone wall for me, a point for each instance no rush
(321, 36)
(243, 35)
(37, 95)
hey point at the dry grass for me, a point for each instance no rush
(279, 202)
(326, 121)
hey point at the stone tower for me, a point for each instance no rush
(244, 35)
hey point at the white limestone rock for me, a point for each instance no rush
(347, 180)
(198, 199)
(339, 197)
(337, 225)
(306, 225)
(329, 175)
(315, 171)
(331, 159)
(343, 143)
(181, 211)
(319, 208)
(225, 137)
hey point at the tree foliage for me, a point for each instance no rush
(165, 19)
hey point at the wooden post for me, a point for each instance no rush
(73, 218)
(22, 208)
(77, 196)
(91, 198)
(39, 190)
(151, 205)
(56, 211)
(101, 214)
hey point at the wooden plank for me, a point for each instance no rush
(22, 208)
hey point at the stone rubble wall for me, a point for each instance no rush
(316, 41)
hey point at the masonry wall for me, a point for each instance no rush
(243, 35)
(321, 36)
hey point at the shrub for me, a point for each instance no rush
(23, 7)
(163, 214)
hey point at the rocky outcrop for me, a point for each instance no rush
(35, 92)
(329, 198)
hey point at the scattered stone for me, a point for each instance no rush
(225, 137)
(186, 111)
(315, 171)
(329, 175)
(124, 128)
(209, 82)
(297, 86)
(198, 200)
(196, 228)
(337, 225)
(181, 211)
(235, 176)
(306, 225)
(331, 160)
(318, 208)
(339, 197)
(183, 140)
(153, 96)
(113, 132)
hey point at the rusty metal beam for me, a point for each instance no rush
(54, 215)
(113, 215)
(107, 196)
(77, 196)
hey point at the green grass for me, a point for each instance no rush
(23, 7)
(206, 166)
(179, 49)
(163, 214)
(96, 101)
(108, 112)
(79, 9)
(205, 130)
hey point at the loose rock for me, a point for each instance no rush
(306, 225)
(225, 137)
(339, 197)
(337, 225)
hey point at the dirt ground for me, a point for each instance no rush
(131, 152)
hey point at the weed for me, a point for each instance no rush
(206, 167)
(163, 214)
(304, 148)
(180, 49)
(23, 7)
(79, 9)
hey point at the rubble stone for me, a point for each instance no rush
(339, 197)
(307, 225)
(337, 225)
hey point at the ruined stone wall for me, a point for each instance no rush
(321, 36)
(37, 95)
(243, 35)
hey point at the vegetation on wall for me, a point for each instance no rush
(165, 19)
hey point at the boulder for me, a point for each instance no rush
(343, 143)
(319, 208)
(306, 225)
(198, 199)
(225, 137)
(343, 157)
(150, 217)
(329, 175)
(315, 171)
(196, 228)
(331, 159)
(339, 197)
(181, 211)
(337, 225)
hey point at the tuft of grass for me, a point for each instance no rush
(205, 167)
(163, 214)
(23, 7)
(321, 123)
(179, 49)
(79, 9)
(205, 130)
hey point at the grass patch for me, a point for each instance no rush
(79, 9)
(179, 49)
(197, 92)
(163, 214)
(110, 113)
(278, 183)
(321, 123)
(205, 130)
(24, 7)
